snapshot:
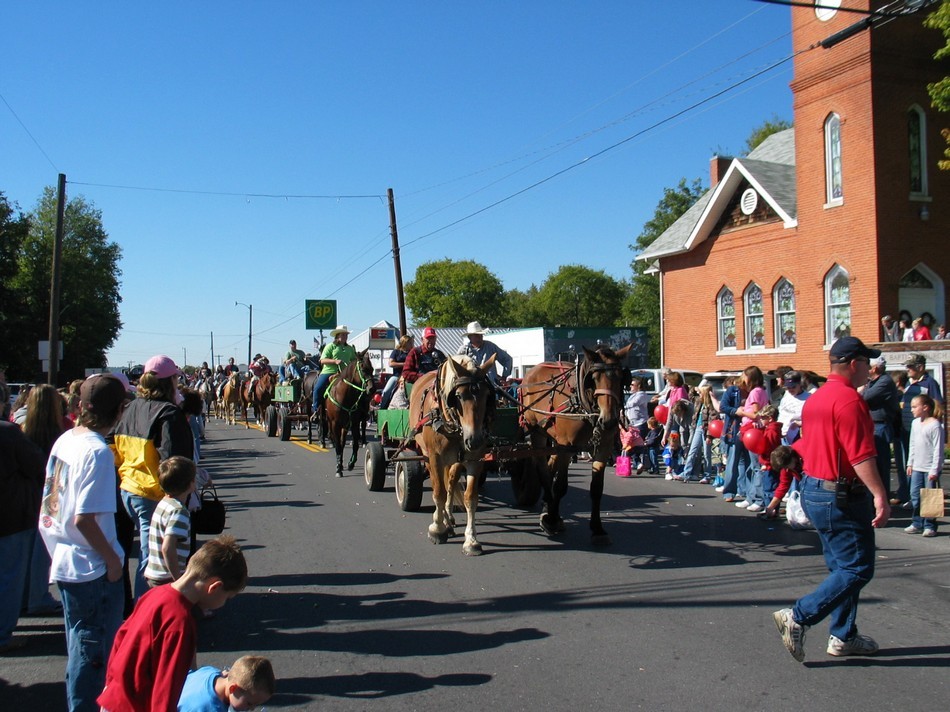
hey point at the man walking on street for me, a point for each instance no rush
(844, 498)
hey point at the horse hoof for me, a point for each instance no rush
(551, 526)
(350, 466)
(472, 549)
(449, 533)
(339, 473)
(600, 539)
(438, 538)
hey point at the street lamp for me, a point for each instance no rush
(250, 321)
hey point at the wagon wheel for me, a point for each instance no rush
(525, 482)
(270, 421)
(410, 474)
(374, 467)
(284, 417)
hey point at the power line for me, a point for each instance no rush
(32, 138)
(910, 7)
(284, 196)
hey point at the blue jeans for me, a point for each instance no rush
(36, 595)
(15, 555)
(769, 483)
(847, 541)
(698, 457)
(901, 449)
(883, 435)
(388, 391)
(919, 481)
(140, 509)
(737, 470)
(93, 613)
(319, 388)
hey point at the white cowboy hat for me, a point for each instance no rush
(342, 329)
(475, 328)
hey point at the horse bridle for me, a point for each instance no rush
(582, 376)
(361, 387)
(449, 403)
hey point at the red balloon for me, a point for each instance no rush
(714, 429)
(754, 440)
(661, 413)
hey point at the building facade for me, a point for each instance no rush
(827, 226)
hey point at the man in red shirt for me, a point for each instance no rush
(423, 358)
(844, 498)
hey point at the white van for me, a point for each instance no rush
(652, 378)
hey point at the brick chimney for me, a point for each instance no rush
(718, 165)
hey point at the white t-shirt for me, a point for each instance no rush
(80, 479)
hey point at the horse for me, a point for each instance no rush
(452, 409)
(346, 404)
(573, 407)
(231, 397)
(206, 391)
(258, 394)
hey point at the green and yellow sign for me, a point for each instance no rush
(321, 314)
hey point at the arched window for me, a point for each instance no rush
(833, 188)
(754, 317)
(783, 304)
(726, 313)
(837, 304)
(917, 150)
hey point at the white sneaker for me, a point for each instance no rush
(912, 530)
(754, 508)
(743, 504)
(720, 488)
(669, 476)
(793, 634)
(929, 533)
(858, 645)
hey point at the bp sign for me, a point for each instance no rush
(321, 313)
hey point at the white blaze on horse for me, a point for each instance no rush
(452, 410)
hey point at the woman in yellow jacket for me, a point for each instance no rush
(153, 428)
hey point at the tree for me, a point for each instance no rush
(89, 315)
(642, 305)
(13, 324)
(449, 293)
(939, 19)
(580, 296)
(760, 133)
(521, 308)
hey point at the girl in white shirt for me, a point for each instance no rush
(925, 458)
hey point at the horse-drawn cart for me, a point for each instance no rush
(396, 446)
(290, 406)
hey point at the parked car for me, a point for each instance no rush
(716, 379)
(653, 382)
(15, 391)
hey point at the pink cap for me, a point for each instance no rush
(429, 331)
(162, 366)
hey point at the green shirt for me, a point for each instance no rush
(344, 352)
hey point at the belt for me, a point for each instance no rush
(830, 485)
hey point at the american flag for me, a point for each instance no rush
(316, 344)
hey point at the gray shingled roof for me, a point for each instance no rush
(771, 165)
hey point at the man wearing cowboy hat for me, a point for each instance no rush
(480, 351)
(333, 359)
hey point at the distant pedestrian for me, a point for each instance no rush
(925, 459)
(844, 498)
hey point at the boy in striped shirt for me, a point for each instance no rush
(170, 534)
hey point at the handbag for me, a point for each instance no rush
(622, 466)
(795, 513)
(209, 518)
(931, 502)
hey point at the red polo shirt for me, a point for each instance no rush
(837, 431)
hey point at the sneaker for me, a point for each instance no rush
(907, 505)
(704, 481)
(929, 533)
(668, 476)
(754, 508)
(678, 478)
(640, 470)
(858, 645)
(912, 530)
(720, 488)
(743, 504)
(793, 634)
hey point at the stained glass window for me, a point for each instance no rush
(837, 304)
(834, 189)
(917, 149)
(754, 317)
(783, 299)
(726, 312)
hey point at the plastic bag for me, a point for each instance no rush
(797, 519)
(623, 466)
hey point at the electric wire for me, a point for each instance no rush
(29, 133)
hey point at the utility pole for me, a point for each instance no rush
(212, 350)
(400, 298)
(55, 280)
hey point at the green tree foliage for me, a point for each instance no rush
(642, 305)
(579, 296)
(760, 133)
(939, 19)
(89, 301)
(14, 228)
(521, 308)
(450, 293)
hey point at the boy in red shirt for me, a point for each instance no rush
(157, 645)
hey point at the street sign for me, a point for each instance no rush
(321, 313)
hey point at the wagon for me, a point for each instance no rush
(289, 407)
(397, 448)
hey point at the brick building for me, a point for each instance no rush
(827, 226)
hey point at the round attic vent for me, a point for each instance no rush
(749, 201)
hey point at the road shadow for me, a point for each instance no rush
(368, 686)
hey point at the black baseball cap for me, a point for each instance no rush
(848, 348)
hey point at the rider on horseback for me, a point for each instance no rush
(334, 358)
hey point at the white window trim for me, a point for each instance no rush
(746, 316)
(720, 318)
(831, 201)
(829, 278)
(776, 313)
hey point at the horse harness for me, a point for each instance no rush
(580, 403)
(361, 387)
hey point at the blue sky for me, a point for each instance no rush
(202, 111)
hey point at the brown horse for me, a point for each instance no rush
(231, 397)
(347, 401)
(258, 394)
(452, 410)
(573, 407)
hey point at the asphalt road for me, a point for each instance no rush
(357, 610)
